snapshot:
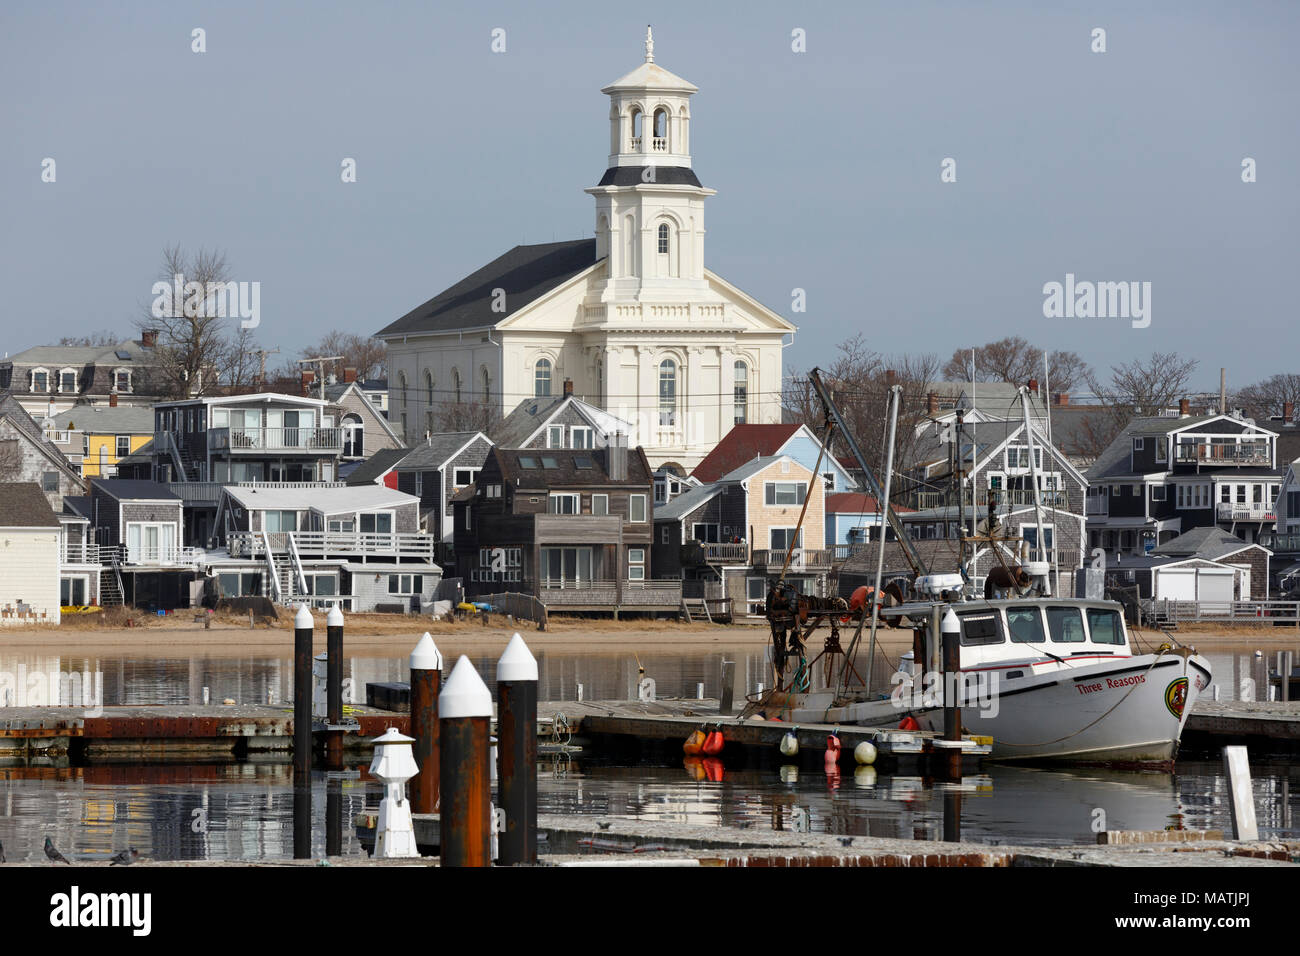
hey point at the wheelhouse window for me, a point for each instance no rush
(978, 630)
(1066, 625)
(1025, 625)
(542, 378)
(1105, 626)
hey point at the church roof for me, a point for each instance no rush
(526, 273)
(663, 176)
(651, 76)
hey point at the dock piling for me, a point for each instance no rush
(1241, 800)
(464, 719)
(334, 688)
(302, 690)
(517, 752)
(727, 696)
(426, 681)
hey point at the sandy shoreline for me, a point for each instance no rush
(396, 637)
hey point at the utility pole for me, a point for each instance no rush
(319, 361)
(263, 353)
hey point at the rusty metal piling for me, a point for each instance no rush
(426, 681)
(334, 689)
(517, 752)
(302, 738)
(950, 629)
(464, 725)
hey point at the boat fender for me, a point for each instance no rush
(908, 723)
(695, 768)
(694, 743)
(714, 743)
(789, 744)
(713, 769)
(832, 752)
(865, 753)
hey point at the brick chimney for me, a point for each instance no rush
(1061, 398)
(149, 338)
(112, 399)
(568, 387)
(1184, 407)
(1288, 412)
(349, 374)
(1033, 386)
(932, 403)
(308, 377)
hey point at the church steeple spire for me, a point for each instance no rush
(649, 45)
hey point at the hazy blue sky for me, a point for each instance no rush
(1123, 165)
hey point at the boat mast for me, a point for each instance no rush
(1033, 480)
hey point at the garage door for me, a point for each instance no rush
(1215, 588)
(1176, 584)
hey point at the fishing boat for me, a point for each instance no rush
(1046, 677)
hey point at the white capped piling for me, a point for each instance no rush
(393, 765)
(334, 688)
(426, 681)
(517, 752)
(464, 719)
(302, 742)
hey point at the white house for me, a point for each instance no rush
(632, 318)
(29, 556)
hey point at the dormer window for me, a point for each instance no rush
(67, 380)
(40, 380)
(122, 379)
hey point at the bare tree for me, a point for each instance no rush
(1268, 398)
(1016, 361)
(362, 352)
(103, 337)
(463, 417)
(193, 338)
(240, 363)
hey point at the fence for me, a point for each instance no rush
(522, 607)
(1174, 613)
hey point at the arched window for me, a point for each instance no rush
(401, 388)
(487, 386)
(455, 381)
(353, 437)
(428, 387)
(661, 131)
(741, 393)
(542, 379)
(637, 117)
(629, 246)
(600, 380)
(663, 238)
(667, 393)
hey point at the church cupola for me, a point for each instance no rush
(649, 203)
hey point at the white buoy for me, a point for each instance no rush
(864, 778)
(789, 773)
(865, 753)
(789, 744)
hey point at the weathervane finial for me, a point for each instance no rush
(649, 45)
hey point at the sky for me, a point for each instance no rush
(829, 162)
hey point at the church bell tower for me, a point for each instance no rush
(649, 203)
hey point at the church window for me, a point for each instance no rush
(629, 246)
(401, 388)
(542, 379)
(667, 393)
(663, 237)
(487, 386)
(600, 380)
(428, 386)
(455, 381)
(637, 117)
(741, 394)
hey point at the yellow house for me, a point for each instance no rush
(97, 437)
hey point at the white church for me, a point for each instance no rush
(632, 319)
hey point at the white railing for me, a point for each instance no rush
(79, 552)
(158, 556)
(1099, 505)
(324, 543)
(276, 439)
(1246, 453)
(636, 144)
(659, 144)
(1244, 511)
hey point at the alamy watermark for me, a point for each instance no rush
(204, 300)
(36, 688)
(976, 690)
(1098, 300)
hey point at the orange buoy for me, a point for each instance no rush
(695, 767)
(713, 743)
(908, 723)
(694, 743)
(713, 769)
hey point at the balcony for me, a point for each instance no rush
(79, 552)
(1097, 506)
(155, 556)
(1246, 453)
(333, 544)
(328, 441)
(694, 553)
(801, 559)
(1021, 496)
(1243, 511)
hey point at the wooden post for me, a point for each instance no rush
(334, 688)
(517, 752)
(1241, 800)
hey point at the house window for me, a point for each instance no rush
(1157, 492)
(784, 492)
(636, 564)
(740, 394)
(582, 436)
(1139, 444)
(705, 531)
(600, 504)
(40, 380)
(1029, 532)
(1161, 452)
(555, 436)
(667, 393)
(341, 525)
(67, 381)
(419, 484)
(122, 380)
(756, 595)
(637, 507)
(542, 379)
(276, 521)
(464, 477)
(50, 481)
(782, 539)
(564, 504)
(405, 583)
(829, 479)
(376, 523)
(123, 445)
(664, 534)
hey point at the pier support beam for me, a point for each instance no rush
(334, 689)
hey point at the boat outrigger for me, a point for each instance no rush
(1048, 678)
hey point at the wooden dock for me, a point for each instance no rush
(1254, 723)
